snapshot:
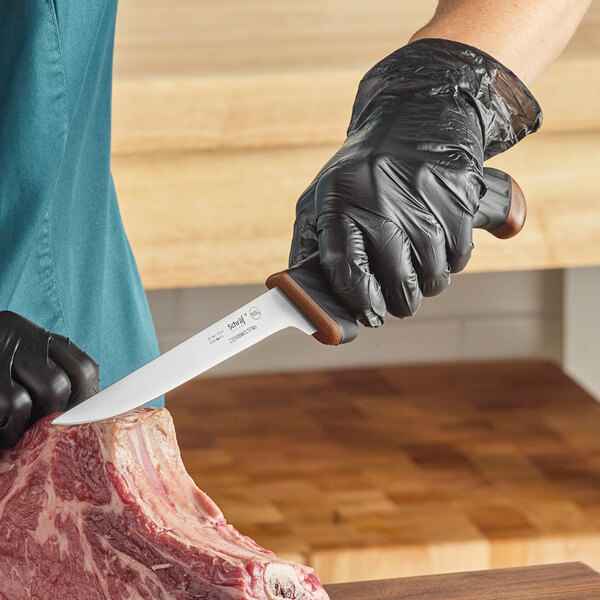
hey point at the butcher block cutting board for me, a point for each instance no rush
(567, 581)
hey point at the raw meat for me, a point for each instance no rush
(106, 511)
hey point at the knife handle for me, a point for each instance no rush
(502, 212)
(502, 209)
(305, 285)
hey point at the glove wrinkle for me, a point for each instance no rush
(82, 371)
(47, 385)
(39, 374)
(394, 207)
(345, 262)
(19, 417)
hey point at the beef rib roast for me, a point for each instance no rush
(107, 511)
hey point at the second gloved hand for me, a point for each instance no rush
(40, 373)
(391, 213)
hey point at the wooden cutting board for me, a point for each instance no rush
(401, 471)
(568, 581)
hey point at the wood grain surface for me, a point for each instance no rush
(224, 112)
(570, 581)
(233, 37)
(220, 218)
(237, 74)
(401, 471)
(292, 109)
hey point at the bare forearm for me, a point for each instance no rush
(526, 36)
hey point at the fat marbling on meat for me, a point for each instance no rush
(107, 511)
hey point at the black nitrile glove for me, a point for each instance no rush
(391, 213)
(40, 373)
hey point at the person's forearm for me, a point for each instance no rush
(525, 36)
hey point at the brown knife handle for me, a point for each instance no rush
(306, 286)
(502, 210)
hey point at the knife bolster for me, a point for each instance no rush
(305, 285)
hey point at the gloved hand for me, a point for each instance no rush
(40, 373)
(391, 213)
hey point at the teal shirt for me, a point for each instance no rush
(65, 262)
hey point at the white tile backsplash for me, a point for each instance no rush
(514, 336)
(200, 307)
(402, 342)
(491, 315)
(166, 309)
(582, 327)
(505, 293)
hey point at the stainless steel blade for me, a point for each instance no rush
(243, 328)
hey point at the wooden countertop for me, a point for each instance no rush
(225, 218)
(571, 581)
(401, 471)
(238, 74)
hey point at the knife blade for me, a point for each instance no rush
(253, 322)
(298, 297)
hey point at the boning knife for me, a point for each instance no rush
(298, 297)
